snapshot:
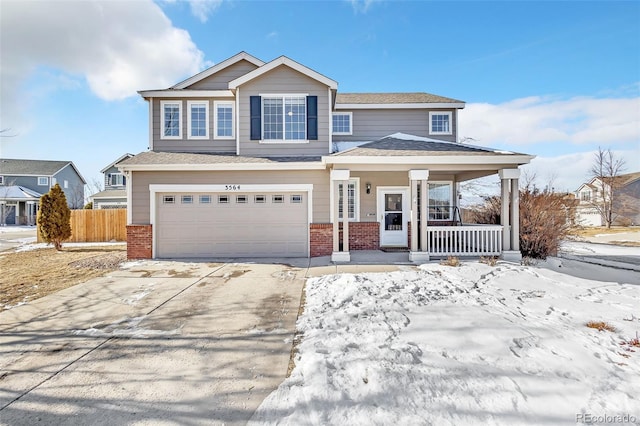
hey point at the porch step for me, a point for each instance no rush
(394, 249)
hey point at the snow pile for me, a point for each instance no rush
(469, 345)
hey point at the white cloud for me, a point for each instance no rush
(361, 6)
(201, 9)
(533, 120)
(117, 47)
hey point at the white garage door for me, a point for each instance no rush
(232, 225)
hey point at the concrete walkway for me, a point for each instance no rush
(156, 342)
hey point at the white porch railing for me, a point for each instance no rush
(467, 240)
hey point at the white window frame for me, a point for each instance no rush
(66, 184)
(441, 182)
(350, 114)
(217, 104)
(43, 181)
(447, 113)
(356, 194)
(283, 96)
(190, 104)
(162, 123)
(112, 175)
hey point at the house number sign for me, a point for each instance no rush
(232, 187)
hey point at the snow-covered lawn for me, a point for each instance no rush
(465, 345)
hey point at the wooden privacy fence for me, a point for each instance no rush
(97, 226)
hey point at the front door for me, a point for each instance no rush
(393, 215)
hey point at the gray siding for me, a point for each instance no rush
(107, 183)
(185, 144)
(75, 188)
(286, 81)
(373, 124)
(319, 178)
(30, 182)
(221, 79)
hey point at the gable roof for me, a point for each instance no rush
(19, 193)
(13, 167)
(392, 98)
(219, 66)
(283, 60)
(122, 157)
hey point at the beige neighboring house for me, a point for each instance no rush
(267, 159)
(626, 210)
(114, 195)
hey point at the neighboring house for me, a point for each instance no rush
(114, 195)
(251, 159)
(626, 208)
(22, 183)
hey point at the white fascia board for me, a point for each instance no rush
(218, 67)
(170, 93)
(444, 159)
(223, 166)
(169, 187)
(283, 60)
(401, 106)
(116, 162)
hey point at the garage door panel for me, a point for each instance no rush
(233, 229)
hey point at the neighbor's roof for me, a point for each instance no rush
(113, 163)
(392, 98)
(20, 193)
(110, 193)
(13, 167)
(400, 144)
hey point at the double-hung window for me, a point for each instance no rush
(440, 200)
(284, 118)
(198, 119)
(116, 179)
(171, 113)
(43, 181)
(341, 123)
(223, 122)
(440, 123)
(352, 194)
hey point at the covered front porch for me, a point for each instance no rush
(403, 194)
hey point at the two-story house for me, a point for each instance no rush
(626, 204)
(263, 159)
(23, 182)
(114, 195)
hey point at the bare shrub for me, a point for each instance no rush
(601, 326)
(489, 260)
(451, 261)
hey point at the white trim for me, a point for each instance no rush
(420, 105)
(215, 119)
(447, 113)
(451, 198)
(237, 130)
(509, 173)
(170, 93)
(315, 165)
(282, 96)
(206, 120)
(45, 183)
(406, 211)
(350, 114)
(129, 189)
(339, 174)
(180, 119)
(356, 198)
(113, 164)
(329, 106)
(218, 67)
(418, 174)
(151, 124)
(154, 189)
(283, 60)
(457, 140)
(444, 159)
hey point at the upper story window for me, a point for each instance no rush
(284, 118)
(171, 113)
(585, 196)
(43, 181)
(223, 120)
(198, 119)
(440, 123)
(116, 179)
(341, 123)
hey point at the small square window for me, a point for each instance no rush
(277, 199)
(187, 199)
(168, 199)
(440, 123)
(260, 199)
(241, 199)
(341, 123)
(223, 199)
(296, 199)
(43, 181)
(205, 199)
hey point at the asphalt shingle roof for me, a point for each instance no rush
(111, 193)
(392, 98)
(155, 157)
(30, 167)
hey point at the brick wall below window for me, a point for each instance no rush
(139, 241)
(362, 236)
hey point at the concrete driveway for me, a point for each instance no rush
(154, 343)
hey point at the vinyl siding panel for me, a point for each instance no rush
(184, 144)
(286, 81)
(221, 79)
(319, 178)
(372, 124)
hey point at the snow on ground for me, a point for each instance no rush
(37, 246)
(470, 345)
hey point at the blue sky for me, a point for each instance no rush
(553, 79)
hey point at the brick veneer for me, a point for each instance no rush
(139, 242)
(362, 236)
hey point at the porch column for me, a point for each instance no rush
(510, 208)
(419, 254)
(340, 177)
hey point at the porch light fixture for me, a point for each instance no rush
(368, 187)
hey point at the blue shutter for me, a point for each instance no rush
(256, 121)
(312, 118)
